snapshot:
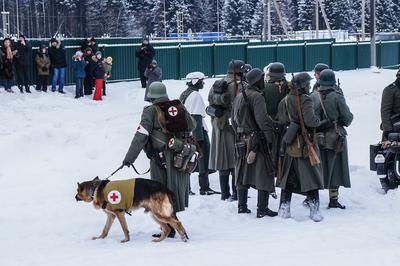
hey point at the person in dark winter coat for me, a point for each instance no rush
(336, 113)
(7, 69)
(98, 75)
(145, 54)
(222, 153)
(59, 63)
(390, 112)
(42, 60)
(78, 65)
(194, 104)
(276, 88)
(153, 73)
(23, 62)
(295, 172)
(254, 168)
(88, 82)
(91, 43)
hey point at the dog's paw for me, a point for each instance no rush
(156, 240)
(97, 237)
(125, 240)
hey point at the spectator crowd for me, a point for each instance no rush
(90, 69)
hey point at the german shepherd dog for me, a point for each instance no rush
(153, 196)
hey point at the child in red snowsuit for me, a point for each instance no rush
(98, 75)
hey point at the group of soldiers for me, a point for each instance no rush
(267, 132)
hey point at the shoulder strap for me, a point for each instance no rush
(185, 95)
(323, 105)
(287, 109)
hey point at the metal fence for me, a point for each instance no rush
(176, 60)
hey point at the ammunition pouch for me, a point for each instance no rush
(291, 133)
(240, 149)
(185, 154)
(297, 149)
(332, 139)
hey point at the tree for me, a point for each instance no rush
(339, 14)
(305, 14)
(386, 18)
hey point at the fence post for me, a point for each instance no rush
(213, 59)
(356, 56)
(178, 65)
(305, 57)
(331, 56)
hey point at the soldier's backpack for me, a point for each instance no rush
(172, 116)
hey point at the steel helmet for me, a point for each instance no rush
(327, 78)
(157, 90)
(194, 77)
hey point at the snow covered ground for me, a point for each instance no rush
(48, 142)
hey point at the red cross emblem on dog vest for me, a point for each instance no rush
(114, 197)
(173, 111)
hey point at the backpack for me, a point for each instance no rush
(172, 116)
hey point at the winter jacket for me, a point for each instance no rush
(107, 70)
(296, 167)
(222, 155)
(7, 68)
(259, 174)
(23, 56)
(97, 70)
(42, 63)
(79, 68)
(390, 105)
(335, 164)
(57, 57)
(150, 131)
(145, 54)
(89, 64)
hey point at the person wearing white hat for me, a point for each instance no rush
(195, 105)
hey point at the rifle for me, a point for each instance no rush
(312, 154)
(259, 135)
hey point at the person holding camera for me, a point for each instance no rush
(23, 62)
(152, 73)
(42, 60)
(78, 65)
(145, 54)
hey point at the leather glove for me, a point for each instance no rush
(126, 163)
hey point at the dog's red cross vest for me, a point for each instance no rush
(119, 194)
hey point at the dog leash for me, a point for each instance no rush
(113, 173)
(133, 167)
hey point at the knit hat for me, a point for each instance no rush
(78, 54)
(109, 60)
(53, 40)
(98, 53)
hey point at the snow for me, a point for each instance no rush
(48, 142)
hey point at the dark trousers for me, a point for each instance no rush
(41, 84)
(78, 87)
(22, 76)
(104, 88)
(143, 79)
(224, 183)
(88, 85)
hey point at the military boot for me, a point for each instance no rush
(242, 200)
(262, 205)
(334, 200)
(27, 89)
(315, 214)
(224, 184)
(234, 196)
(284, 205)
(21, 89)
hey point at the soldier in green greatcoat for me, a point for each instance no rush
(152, 136)
(333, 147)
(296, 174)
(276, 88)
